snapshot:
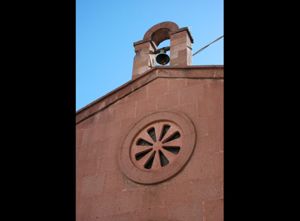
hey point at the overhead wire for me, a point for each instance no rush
(201, 49)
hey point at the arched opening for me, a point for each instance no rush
(160, 35)
(165, 43)
(160, 32)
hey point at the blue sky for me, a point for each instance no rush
(106, 30)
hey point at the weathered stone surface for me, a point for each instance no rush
(195, 193)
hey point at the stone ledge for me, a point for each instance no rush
(196, 72)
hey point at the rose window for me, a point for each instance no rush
(156, 146)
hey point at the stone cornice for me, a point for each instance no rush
(194, 72)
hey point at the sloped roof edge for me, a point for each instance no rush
(206, 72)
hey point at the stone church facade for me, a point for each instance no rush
(152, 149)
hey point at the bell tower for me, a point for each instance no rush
(149, 55)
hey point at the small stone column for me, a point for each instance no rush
(181, 47)
(143, 57)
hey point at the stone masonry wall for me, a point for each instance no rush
(194, 194)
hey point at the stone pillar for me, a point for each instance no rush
(143, 57)
(181, 47)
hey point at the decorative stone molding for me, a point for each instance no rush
(157, 147)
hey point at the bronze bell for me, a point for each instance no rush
(162, 58)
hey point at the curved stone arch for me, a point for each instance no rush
(160, 32)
